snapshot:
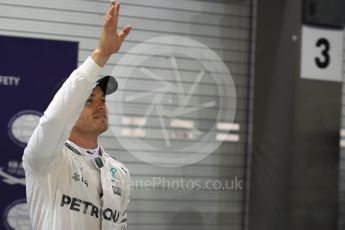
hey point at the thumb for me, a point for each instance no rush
(125, 31)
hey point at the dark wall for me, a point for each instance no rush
(295, 130)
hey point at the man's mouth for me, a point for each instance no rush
(100, 116)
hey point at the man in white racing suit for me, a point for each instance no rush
(71, 183)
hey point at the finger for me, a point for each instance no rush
(116, 13)
(125, 31)
(111, 8)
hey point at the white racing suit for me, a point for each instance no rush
(66, 187)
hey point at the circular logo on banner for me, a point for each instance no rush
(16, 216)
(173, 92)
(22, 125)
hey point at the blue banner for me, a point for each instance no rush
(29, 71)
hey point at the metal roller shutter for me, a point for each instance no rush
(225, 27)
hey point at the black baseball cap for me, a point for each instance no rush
(108, 85)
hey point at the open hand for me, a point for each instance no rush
(110, 40)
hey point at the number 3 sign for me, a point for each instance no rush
(322, 53)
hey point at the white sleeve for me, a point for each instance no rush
(59, 118)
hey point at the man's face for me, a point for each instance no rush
(94, 116)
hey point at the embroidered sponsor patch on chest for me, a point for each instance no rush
(116, 190)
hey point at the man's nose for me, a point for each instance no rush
(100, 105)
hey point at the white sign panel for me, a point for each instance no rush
(322, 53)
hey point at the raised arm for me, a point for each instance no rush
(56, 124)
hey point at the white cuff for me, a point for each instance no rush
(91, 69)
